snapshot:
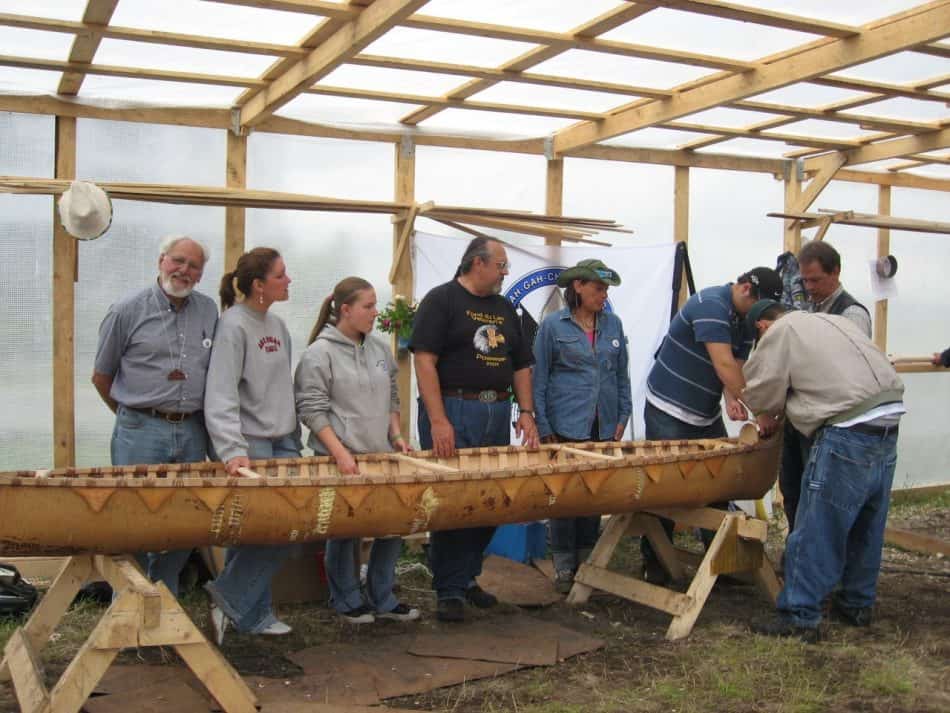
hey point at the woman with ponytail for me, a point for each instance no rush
(346, 394)
(249, 414)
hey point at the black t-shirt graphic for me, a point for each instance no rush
(478, 340)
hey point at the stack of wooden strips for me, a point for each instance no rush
(558, 227)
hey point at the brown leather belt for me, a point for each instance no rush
(486, 396)
(170, 417)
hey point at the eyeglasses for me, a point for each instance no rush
(503, 265)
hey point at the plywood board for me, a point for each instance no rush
(516, 583)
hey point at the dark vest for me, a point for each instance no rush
(844, 301)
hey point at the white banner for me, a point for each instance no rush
(642, 300)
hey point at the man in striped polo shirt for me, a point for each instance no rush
(698, 363)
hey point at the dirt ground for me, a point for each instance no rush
(901, 664)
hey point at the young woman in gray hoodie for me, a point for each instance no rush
(346, 394)
(249, 414)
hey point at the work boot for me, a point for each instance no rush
(450, 610)
(852, 616)
(784, 628)
(479, 598)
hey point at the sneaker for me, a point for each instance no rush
(275, 628)
(563, 581)
(788, 629)
(479, 598)
(219, 624)
(360, 615)
(450, 610)
(400, 613)
(852, 616)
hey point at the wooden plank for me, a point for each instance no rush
(711, 519)
(743, 13)
(917, 542)
(867, 220)
(920, 26)
(422, 463)
(634, 590)
(554, 193)
(586, 453)
(918, 91)
(97, 12)
(681, 218)
(37, 568)
(123, 575)
(883, 248)
(765, 579)
(26, 672)
(217, 675)
(895, 148)
(662, 546)
(607, 21)
(826, 168)
(350, 39)
(235, 216)
(906, 180)
(404, 191)
(615, 529)
(65, 255)
(702, 583)
(83, 673)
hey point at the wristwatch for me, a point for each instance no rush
(528, 411)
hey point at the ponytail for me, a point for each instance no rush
(237, 284)
(345, 292)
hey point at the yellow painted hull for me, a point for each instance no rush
(161, 507)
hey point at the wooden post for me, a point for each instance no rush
(792, 237)
(64, 306)
(681, 217)
(234, 216)
(883, 248)
(554, 193)
(404, 190)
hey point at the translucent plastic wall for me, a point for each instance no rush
(728, 233)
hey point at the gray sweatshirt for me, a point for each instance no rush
(249, 390)
(349, 387)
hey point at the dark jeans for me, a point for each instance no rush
(660, 426)
(456, 555)
(572, 538)
(795, 449)
(846, 492)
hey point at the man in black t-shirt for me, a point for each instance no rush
(470, 356)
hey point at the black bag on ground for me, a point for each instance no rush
(17, 596)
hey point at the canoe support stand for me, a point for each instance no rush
(737, 548)
(141, 614)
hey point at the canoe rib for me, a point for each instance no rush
(121, 509)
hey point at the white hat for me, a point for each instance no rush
(85, 210)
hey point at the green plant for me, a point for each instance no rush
(397, 317)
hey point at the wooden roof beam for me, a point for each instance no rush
(917, 160)
(924, 24)
(97, 12)
(598, 25)
(868, 220)
(760, 133)
(346, 42)
(743, 13)
(894, 148)
(864, 121)
(133, 34)
(917, 91)
(937, 49)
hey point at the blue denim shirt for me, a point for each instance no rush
(573, 382)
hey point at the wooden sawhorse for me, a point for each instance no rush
(141, 614)
(738, 547)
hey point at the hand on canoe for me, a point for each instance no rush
(443, 439)
(346, 463)
(527, 430)
(767, 424)
(237, 462)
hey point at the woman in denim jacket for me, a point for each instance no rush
(581, 391)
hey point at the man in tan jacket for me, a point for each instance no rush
(834, 385)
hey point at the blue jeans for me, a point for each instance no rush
(242, 589)
(572, 538)
(141, 438)
(795, 449)
(344, 580)
(456, 555)
(660, 426)
(839, 530)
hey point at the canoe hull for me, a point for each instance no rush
(300, 500)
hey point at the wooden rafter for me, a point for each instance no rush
(346, 42)
(743, 13)
(916, 160)
(917, 91)
(923, 24)
(97, 12)
(867, 220)
(894, 148)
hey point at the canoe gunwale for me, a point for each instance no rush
(188, 475)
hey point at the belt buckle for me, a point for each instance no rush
(175, 417)
(488, 396)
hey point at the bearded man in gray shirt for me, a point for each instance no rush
(150, 368)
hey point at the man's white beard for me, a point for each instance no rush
(169, 287)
